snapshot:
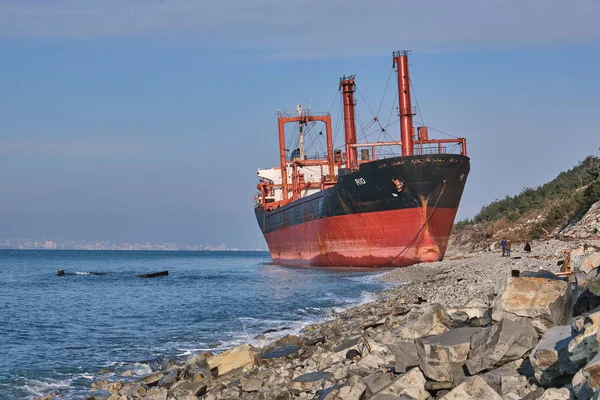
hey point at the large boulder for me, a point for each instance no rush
(580, 387)
(434, 321)
(506, 382)
(187, 390)
(591, 373)
(550, 358)
(441, 357)
(376, 382)
(556, 394)
(584, 345)
(410, 384)
(474, 388)
(405, 356)
(506, 341)
(353, 389)
(590, 263)
(237, 357)
(546, 302)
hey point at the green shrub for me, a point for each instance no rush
(560, 199)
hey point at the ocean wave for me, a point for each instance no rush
(39, 388)
(93, 273)
(140, 369)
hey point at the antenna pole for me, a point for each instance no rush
(301, 137)
(347, 88)
(405, 108)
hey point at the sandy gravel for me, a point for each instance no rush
(458, 279)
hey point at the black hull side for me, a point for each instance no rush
(434, 181)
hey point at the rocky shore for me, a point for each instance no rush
(474, 326)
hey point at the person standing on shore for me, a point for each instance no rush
(503, 244)
(508, 247)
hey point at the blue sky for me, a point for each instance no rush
(146, 120)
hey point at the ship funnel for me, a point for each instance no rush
(405, 108)
(347, 87)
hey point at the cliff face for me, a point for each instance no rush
(567, 208)
(586, 227)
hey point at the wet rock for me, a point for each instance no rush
(474, 388)
(550, 358)
(410, 384)
(441, 357)
(545, 302)
(237, 357)
(405, 356)
(506, 341)
(312, 381)
(434, 321)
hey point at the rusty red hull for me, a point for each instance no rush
(394, 238)
(367, 220)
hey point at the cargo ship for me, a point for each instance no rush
(380, 210)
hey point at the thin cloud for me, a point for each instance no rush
(313, 27)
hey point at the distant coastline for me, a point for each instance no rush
(144, 250)
(70, 244)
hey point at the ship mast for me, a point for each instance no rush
(405, 111)
(301, 131)
(347, 88)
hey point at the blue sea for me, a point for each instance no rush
(60, 333)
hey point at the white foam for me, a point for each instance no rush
(38, 388)
(141, 369)
(85, 376)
